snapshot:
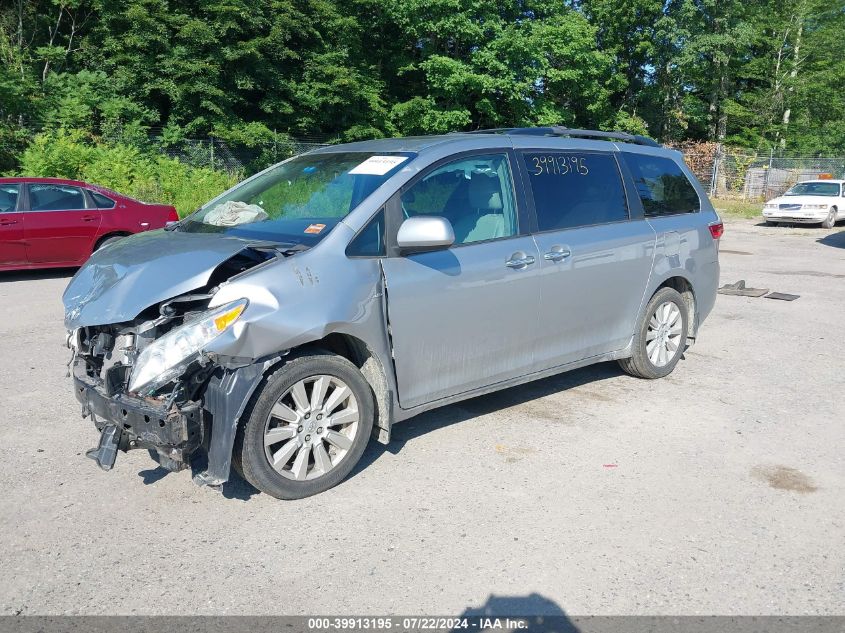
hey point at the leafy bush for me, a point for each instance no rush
(126, 169)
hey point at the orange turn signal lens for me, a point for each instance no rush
(227, 318)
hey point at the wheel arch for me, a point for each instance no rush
(370, 365)
(684, 286)
(108, 235)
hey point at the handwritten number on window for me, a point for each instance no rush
(559, 165)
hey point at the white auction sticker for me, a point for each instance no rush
(378, 165)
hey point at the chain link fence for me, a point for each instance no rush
(750, 176)
(235, 158)
(725, 173)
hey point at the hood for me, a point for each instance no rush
(118, 282)
(801, 200)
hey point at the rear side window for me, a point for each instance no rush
(55, 198)
(663, 188)
(574, 189)
(8, 198)
(103, 202)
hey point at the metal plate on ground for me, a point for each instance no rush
(782, 296)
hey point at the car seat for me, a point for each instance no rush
(486, 221)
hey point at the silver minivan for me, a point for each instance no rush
(335, 294)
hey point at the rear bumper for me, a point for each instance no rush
(705, 289)
(174, 433)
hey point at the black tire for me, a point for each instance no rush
(250, 458)
(830, 221)
(108, 241)
(639, 364)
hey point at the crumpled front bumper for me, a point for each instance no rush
(127, 423)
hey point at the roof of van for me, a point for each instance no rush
(418, 144)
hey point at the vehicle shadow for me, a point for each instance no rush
(152, 475)
(405, 431)
(837, 240)
(32, 275)
(235, 488)
(534, 612)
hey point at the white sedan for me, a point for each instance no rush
(809, 202)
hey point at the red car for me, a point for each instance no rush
(51, 222)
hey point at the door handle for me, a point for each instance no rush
(557, 253)
(519, 260)
(89, 218)
(5, 222)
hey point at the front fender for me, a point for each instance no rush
(225, 400)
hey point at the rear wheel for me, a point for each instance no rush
(660, 338)
(830, 220)
(307, 428)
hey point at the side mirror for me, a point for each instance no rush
(425, 233)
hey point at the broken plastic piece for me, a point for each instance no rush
(739, 289)
(106, 451)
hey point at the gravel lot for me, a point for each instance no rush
(720, 489)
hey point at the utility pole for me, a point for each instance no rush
(715, 174)
(768, 172)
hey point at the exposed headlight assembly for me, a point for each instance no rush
(814, 206)
(169, 356)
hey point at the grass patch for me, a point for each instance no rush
(738, 208)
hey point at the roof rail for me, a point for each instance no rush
(559, 130)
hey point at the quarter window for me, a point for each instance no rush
(475, 194)
(8, 198)
(573, 189)
(370, 241)
(49, 197)
(662, 186)
(103, 202)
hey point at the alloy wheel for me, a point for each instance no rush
(311, 428)
(663, 337)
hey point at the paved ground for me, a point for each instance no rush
(720, 489)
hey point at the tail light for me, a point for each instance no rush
(716, 230)
(172, 216)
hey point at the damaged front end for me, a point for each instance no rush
(155, 382)
(163, 417)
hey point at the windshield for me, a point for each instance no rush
(814, 189)
(298, 201)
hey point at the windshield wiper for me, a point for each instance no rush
(279, 249)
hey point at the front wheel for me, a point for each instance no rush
(830, 221)
(307, 428)
(661, 336)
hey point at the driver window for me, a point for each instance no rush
(475, 194)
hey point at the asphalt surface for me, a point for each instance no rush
(720, 489)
